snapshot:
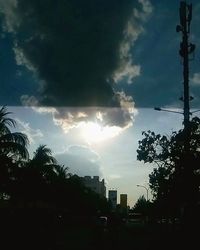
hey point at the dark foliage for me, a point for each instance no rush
(175, 179)
(39, 197)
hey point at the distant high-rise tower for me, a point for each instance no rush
(112, 197)
(95, 184)
(123, 200)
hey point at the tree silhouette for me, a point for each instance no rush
(175, 179)
(62, 172)
(40, 196)
(12, 144)
(13, 148)
(142, 206)
(38, 175)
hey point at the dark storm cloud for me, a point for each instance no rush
(72, 45)
(78, 51)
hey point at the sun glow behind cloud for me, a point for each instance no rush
(93, 132)
(93, 125)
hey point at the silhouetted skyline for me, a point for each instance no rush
(99, 70)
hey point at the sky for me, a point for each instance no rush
(83, 77)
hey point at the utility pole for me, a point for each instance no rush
(186, 48)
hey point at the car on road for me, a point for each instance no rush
(135, 218)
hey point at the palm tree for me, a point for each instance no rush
(44, 163)
(12, 144)
(47, 165)
(12, 149)
(46, 178)
(43, 156)
(62, 172)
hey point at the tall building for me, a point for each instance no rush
(112, 197)
(123, 200)
(95, 184)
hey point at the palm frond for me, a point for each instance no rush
(11, 148)
(6, 120)
(4, 129)
(43, 155)
(62, 171)
(11, 144)
(16, 137)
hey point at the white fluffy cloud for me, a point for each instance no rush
(33, 134)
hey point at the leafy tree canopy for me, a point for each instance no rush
(176, 160)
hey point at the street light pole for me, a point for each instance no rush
(167, 110)
(147, 190)
(176, 112)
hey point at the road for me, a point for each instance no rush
(136, 237)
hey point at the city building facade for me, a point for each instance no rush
(95, 184)
(112, 197)
(123, 201)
